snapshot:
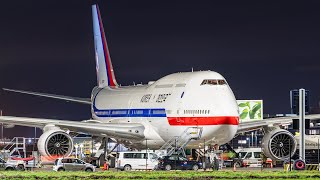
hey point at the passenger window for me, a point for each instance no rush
(66, 160)
(153, 156)
(249, 155)
(79, 161)
(256, 155)
(137, 156)
(127, 155)
(173, 158)
(242, 154)
(143, 156)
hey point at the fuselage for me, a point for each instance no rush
(171, 104)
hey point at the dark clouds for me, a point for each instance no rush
(263, 48)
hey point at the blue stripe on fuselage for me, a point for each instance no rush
(146, 112)
(130, 112)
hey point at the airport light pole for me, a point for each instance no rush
(289, 154)
(1, 128)
(76, 146)
(204, 154)
(252, 139)
(256, 136)
(146, 154)
(302, 123)
(81, 150)
(318, 156)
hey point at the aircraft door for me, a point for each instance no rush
(180, 114)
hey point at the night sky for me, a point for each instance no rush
(264, 49)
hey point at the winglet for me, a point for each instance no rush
(105, 73)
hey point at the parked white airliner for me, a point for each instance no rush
(155, 112)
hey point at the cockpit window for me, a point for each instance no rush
(222, 82)
(213, 82)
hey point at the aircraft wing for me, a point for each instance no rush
(280, 121)
(54, 96)
(116, 130)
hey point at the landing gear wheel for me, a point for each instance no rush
(168, 167)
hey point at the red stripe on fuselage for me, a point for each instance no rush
(198, 121)
(106, 51)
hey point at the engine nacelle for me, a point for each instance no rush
(277, 143)
(55, 143)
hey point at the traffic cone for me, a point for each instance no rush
(105, 166)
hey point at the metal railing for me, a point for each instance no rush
(178, 143)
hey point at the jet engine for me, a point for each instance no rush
(278, 143)
(55, 143)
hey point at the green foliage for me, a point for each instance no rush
(253, 112)
(242, 105)
(244, 114)
(224, 174)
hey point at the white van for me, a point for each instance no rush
(136, 160)
(250, 156)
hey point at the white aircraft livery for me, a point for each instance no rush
(168, 106)
(187, 107)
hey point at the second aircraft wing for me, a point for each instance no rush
(54, 96)
(280, 121)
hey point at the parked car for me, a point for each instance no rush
(136, 160)
(178, 162)
(72, 164)
(8, 166)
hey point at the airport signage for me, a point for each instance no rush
(250, 110)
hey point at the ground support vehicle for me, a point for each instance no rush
(11, 165)
(72, 164)
(135, 160)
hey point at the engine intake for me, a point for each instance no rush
(55, 143)
(277, 144)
